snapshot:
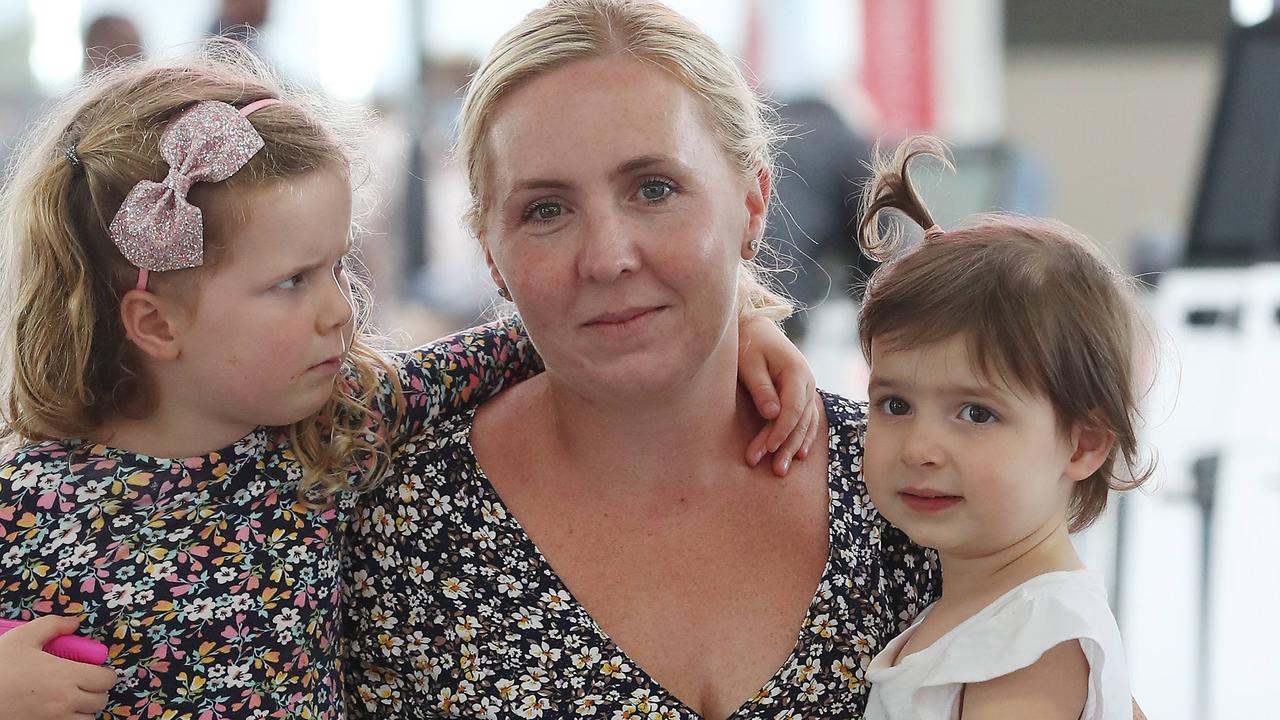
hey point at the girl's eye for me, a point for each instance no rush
(656, 190)
(895, 406)
(290, 283)
(977, 414)
(542, 211)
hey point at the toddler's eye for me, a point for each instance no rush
(895, 406)
(977, 414)
(290, 283)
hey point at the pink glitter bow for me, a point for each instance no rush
(156, 228)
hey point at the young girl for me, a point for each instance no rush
(188, 365)
(1002, 412)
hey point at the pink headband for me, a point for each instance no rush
(156, 228)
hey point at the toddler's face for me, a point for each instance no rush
(963, 463)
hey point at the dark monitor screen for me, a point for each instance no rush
(1237, 215)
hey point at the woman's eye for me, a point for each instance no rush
(654, 190)
(895, 406)
(290, 283)
(542, 211)
(977, 414)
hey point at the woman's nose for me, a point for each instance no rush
(608, 249)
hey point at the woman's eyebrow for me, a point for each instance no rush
(536, 184)
(643, 162)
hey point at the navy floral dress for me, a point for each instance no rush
(214, 588)
(453, 612)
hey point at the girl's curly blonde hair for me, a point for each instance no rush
(67, 366)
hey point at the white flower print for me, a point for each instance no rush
(495, 624)
(532, 706)
(120, 596)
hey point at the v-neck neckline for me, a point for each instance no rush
(588, 621)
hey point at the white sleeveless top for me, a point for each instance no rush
(1009, 634)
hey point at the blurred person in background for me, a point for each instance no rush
(109, 40)
(822, 165)
(241, 20)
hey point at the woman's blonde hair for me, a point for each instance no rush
(67, 366)
(563, 31)
(1036, 302)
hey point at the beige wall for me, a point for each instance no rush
(1121, 132)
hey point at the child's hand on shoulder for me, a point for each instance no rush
(35, 685)
(782, 386)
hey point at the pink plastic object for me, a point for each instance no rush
(70, 647)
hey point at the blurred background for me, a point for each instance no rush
(1151, 125)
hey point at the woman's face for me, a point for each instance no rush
(617, 221)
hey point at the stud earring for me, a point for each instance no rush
(504, 293)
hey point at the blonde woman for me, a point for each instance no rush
(588, 543)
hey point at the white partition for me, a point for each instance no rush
(1244, 630)
(1198, 313)
(1205, 646)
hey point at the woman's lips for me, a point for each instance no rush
(624, 321)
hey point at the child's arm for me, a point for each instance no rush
(783, 388)
(1055, 686)
(35, 684)
(459, 372)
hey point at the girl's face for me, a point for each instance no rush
(264, 338)
(962, 463)
(617, 222)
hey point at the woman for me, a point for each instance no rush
(589, 543)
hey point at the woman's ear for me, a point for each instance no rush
(493, 268)
(757, 203)
(1090, 447)
(153, 323)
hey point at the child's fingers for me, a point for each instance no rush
(795, 400)
(89, 704)
(95, 680)
(812, 435)
(753, 373)
(44, 630)
(756, 449)
(783, 456)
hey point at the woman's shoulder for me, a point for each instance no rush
(846, 425)
(845, 413)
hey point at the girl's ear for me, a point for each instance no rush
(153, 323)
(1090, 447)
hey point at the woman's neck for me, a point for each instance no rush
(677, 434)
